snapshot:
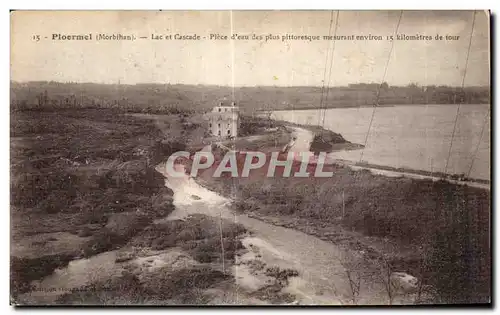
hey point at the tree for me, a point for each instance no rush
(267, 112)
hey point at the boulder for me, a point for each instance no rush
(403, 282)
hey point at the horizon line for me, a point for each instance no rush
(252, 86)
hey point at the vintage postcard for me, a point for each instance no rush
(292, 158)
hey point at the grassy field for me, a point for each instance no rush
(85, 172)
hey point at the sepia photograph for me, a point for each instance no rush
(237, 157)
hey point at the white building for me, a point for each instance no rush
(223, 120)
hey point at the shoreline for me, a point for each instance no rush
(455, 178)
(365, 106)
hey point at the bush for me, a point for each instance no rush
(211, 249)
(198, 234)
(25, 270)
(102, 241)
(166, 284)
(48, 192)
(159, 236)
(281, 275)
(127, 224)
(162, 201)
(120, 229)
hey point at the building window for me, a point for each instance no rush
(219, 133)
(219, 109)
(218, 126)
(210, 125)
(229, 132)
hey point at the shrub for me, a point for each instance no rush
(25, 270)
(102, 241)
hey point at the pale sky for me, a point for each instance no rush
(249, 63)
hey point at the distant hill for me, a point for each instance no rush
(171, 97)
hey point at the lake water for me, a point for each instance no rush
(416, 136)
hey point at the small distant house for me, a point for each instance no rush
(223, 120)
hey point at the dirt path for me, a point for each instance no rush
(303, 141)
(322, 277)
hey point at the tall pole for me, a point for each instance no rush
(343, 204)
(222, 243)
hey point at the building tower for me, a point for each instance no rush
(224, 120)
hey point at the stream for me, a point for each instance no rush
(321, 266)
